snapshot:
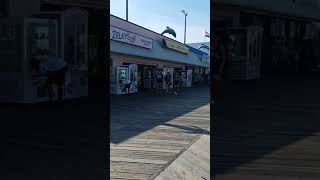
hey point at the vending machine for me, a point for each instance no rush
(120, 74)
(24, 44)
(27, 42)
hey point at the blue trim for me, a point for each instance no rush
(158, 52)
(196, 51)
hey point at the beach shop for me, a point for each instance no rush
(137, 54)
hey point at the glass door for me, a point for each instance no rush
(41, 43)
(75, 23)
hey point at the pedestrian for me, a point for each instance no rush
(176, 83)
(127, 85)
(167, 79)
(160, 82)
(55, 70)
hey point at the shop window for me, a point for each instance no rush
(75, 45)
(76, 51)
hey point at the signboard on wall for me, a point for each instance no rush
(176, 46)
(129, 38)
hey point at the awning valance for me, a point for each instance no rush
(175, 46)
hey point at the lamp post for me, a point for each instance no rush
(127, 10)
(185, 24)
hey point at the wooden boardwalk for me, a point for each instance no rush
(268, 130)
(149, 132)
(191, 164)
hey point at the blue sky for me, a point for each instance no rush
(158, 14)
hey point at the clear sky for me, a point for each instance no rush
(156, 15)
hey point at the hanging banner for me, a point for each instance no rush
(129, 38)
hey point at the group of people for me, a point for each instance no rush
(164, 82)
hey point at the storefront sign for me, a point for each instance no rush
(130, 38)
(176, 46)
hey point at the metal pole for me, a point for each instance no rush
(127, 10)
(185, 27)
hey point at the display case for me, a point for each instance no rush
(118, 75)
(244, 52)
(121, 73)
(24, 43)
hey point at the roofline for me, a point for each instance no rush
(146, 29)
(166, 60)
(272, 13)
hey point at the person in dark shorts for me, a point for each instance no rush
(176, 84)
(127, 84)
(55, 70)
(167, 79)
(160, 81)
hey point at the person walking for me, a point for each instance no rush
(176, 83)
(55, 70)
(127, 85)
(167, 79)
(160, 83)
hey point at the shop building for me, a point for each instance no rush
(149, 52)
(67, 29)
(204, 56)
(286, 27)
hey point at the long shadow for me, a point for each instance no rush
(256, 118)
(132, 115)
(51, 142)
(191, 130)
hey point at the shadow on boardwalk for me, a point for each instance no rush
(47, 142)
(135, 114)
(258, 121)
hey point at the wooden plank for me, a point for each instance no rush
(194, 163)
(154, 131)
(136, 160)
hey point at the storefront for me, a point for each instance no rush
(285, 31)
(138, 54)
(198, 71)
(57, 29)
